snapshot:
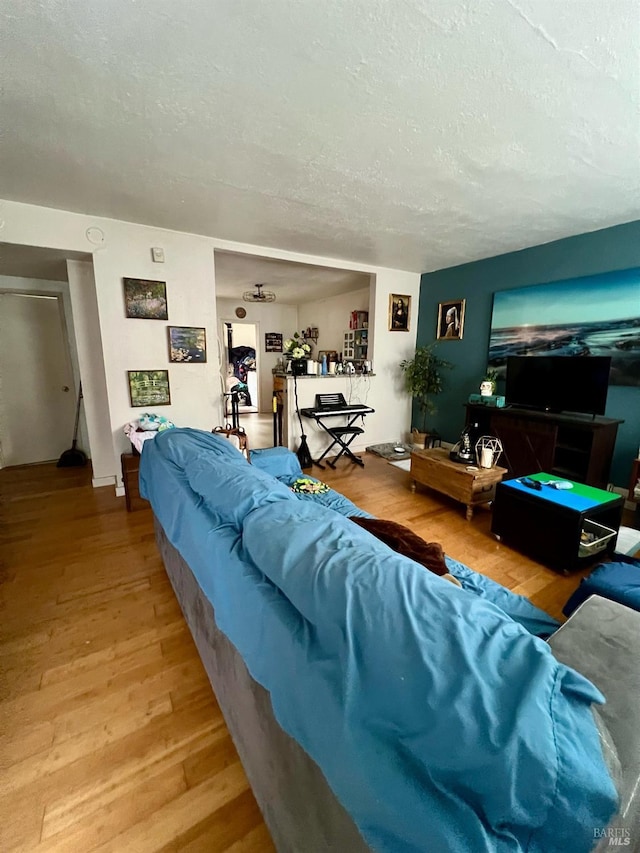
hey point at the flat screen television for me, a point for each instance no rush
(556, 383)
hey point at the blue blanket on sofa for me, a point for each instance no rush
(439, 722)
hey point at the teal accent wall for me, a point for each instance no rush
(611, 249)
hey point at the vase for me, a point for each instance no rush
(299, 366)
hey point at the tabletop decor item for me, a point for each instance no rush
(297, 350)
(488, 450)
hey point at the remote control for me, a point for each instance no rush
(531, 484)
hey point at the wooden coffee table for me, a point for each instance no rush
(471, 485)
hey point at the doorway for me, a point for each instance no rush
(38, 392)
(240, 363)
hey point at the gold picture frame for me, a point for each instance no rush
(399, 312)
(450, 320)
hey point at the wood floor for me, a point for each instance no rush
(110, 736)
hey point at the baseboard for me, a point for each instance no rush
(99, 482)
(119, 491)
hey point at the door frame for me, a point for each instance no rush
(63, 301)
(224, 362)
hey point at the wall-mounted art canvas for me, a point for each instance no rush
(144, 299)
(187, 345)
(149, 387)
(399, 312)
(594, 315)
(450, 320)
(273, 342)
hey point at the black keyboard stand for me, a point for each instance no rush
(334, 405)
(342, 436)
(233, 398)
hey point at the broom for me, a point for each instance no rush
(303, 454)
(74, 458)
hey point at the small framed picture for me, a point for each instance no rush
(144, 299)
(450, 320)
(273, 342)
(149, 388)
(399, 312)
(187, 345)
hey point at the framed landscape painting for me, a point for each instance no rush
(145, 299)
(187, 345)
(149, 388)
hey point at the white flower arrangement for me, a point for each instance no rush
(297, 347)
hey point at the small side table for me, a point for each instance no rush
(548, 524)
(130, 469)
(468, 484)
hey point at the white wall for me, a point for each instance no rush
(244, 335)
(189, 272)
(331, 316)
(88, 339)
(387, 350)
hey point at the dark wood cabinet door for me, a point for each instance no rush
(527, 446)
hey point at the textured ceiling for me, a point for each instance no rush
(292, 283)
(408, 133)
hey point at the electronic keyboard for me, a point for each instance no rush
(328, 405)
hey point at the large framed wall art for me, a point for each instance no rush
(594, 315)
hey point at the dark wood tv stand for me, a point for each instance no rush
(578, 447)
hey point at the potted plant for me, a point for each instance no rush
(423, 380)
(489, 382)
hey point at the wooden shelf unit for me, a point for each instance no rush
(356, 345)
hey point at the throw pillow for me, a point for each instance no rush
(404, 541)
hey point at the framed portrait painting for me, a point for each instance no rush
(149, 388)
(187, 345)
(399, 312)
(450, 320)
(145, 299)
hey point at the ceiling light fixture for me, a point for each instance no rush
(259, 295)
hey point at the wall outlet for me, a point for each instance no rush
(157, 255)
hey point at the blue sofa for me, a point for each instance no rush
(375, 705)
